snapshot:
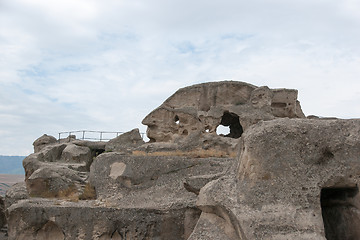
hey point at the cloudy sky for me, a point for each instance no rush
(103, 65)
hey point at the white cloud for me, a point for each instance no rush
(104, 65)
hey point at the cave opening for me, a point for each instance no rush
(340, 213)
(176, 120)
(230, 126)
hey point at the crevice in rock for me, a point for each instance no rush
(232, 227)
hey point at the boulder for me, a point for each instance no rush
(48, 154)
(76, 154)
(16, 193)
(296, 179)
(60, 169)
(125, 142)
(53, 181)
(43, 141)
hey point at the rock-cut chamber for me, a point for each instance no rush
(340, 212)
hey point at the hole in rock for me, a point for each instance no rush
(176, 119)
(341, 216)
(222, 130)
(230, 126)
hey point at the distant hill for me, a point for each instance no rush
(11, 164)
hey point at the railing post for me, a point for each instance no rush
(101, 136)
(83, 135)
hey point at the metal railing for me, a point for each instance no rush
(93, 135)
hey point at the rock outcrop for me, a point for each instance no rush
(16, 193)
(274, 175)
(126, 142)
(190, 117)
(42, 141)
(296, 179)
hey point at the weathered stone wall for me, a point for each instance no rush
(44, 220)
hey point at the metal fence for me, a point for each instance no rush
(92, 135)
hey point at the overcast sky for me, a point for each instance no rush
(104, 65)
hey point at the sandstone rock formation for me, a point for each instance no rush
(125, 142)
(275, 175)
(295, 179)
(42, 141)
(16, 193)
(191, 116)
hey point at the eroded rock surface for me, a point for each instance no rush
(296, 179)
(88, 220)
(274, 175)
(151, 180)
(191, 116)
(125, 142)
(16, 193)
(42, 141)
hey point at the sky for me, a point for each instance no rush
(104, 65)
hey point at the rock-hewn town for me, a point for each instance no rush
(276, 174)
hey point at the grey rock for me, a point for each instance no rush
(49, 181)
(125, 142)
(192, 115)
(292, 177)
(151, 177)
(51, 153)
(96, 147)
(195, 183)
(40, 218)
(296, 179)
(76, 154)
(43, 141)
(16, 193)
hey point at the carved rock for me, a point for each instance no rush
(296, 179)
(191, 116)
(274, 175)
